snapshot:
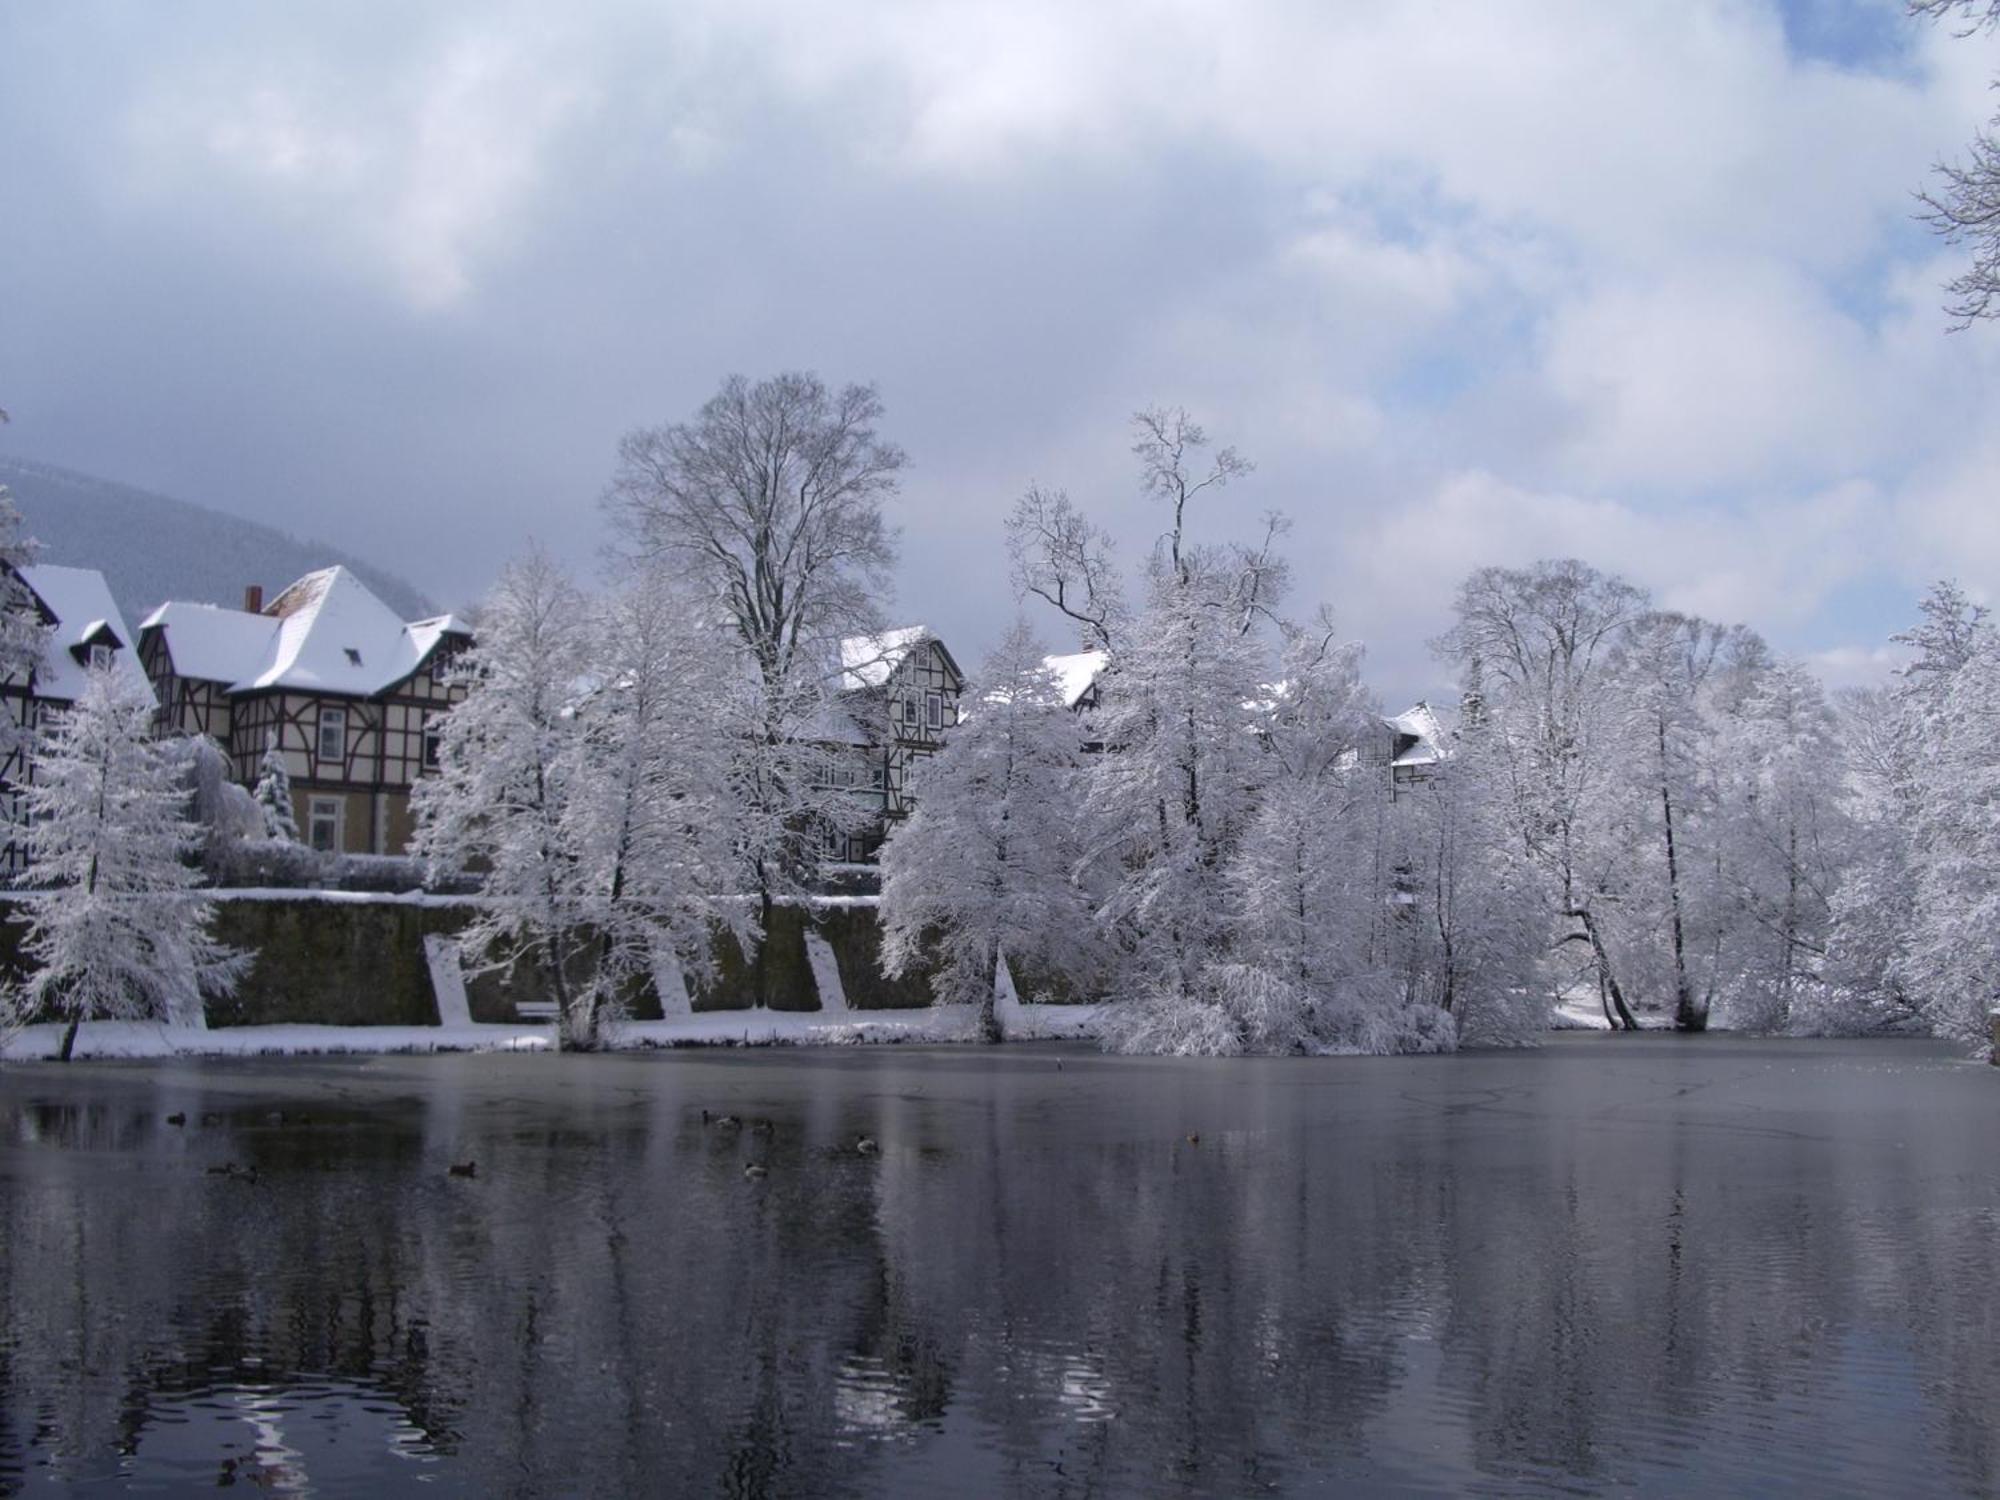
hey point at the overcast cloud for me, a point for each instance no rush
(1470, 282)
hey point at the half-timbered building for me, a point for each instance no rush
(85, 630)
(901, 690)
(349, 693)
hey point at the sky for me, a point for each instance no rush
(1469, 282)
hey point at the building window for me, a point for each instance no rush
(100, 658)
(934, 710)
(323, 824)
(333, 734)
(433, 740)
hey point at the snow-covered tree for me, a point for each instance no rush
(1783, 839)
(1474, 913)
(768, 506)
(508, 767)
(651, 815)
(273, 793)
(1176, 788)
(23, 636)
(983, 869)
(1952, 955)
(114, 927)
(1545, 639)
(1964, 207)
(1902, 794)
(587, 777)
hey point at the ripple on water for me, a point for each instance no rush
(1745, 1271)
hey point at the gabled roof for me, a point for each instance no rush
(1077, 673)
(79, 602)
(327, 633)
(870, 660)
(1419, 723)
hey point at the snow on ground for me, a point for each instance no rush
(1574, 1014)
(723, 1028)
(151, 1039)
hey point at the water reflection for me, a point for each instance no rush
(1691, 1268)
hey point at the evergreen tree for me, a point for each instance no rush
(114, 928)
(273, 794)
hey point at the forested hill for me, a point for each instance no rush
(151, 548)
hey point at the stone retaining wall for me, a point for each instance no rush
(361, 962)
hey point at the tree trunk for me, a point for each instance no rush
(989, 1018)
(1687, 1016)
(69, 1038)
(1626, 1019)
(760, 966)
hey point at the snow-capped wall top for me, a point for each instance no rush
(1077, 672)
(870, 660)
(80, 601)
(326, 633)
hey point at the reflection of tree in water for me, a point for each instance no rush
(1039, 1278)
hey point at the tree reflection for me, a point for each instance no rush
(1116, 1277)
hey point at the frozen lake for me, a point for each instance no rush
(1701, 1267)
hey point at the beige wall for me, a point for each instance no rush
(357, 813)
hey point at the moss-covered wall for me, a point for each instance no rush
(786, 973)
(362, 963)
(855, 935)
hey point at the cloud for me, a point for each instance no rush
(423, 170)
(1470, 282)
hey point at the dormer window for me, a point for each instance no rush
(100, 658)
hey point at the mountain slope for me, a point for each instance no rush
(152, 548)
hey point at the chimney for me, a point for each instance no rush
(253, 599)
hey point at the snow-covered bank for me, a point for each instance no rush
(723, 1028)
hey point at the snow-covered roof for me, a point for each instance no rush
(1421, 724)
(327, 633)
(213, 644)
(870, 660)
(80, 601)
(1077, 672)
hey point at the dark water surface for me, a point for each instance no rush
(1650, 1265)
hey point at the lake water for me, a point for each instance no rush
(1678, 1267)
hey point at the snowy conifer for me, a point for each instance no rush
(273, 794)
(114, 928)
(983, 866)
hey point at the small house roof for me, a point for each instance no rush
(79, 602)
(1421, 724)
(1077, 673)
(871, 660)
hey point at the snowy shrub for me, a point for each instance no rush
(1171, 1021)
(266, 862)
(388, 873)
